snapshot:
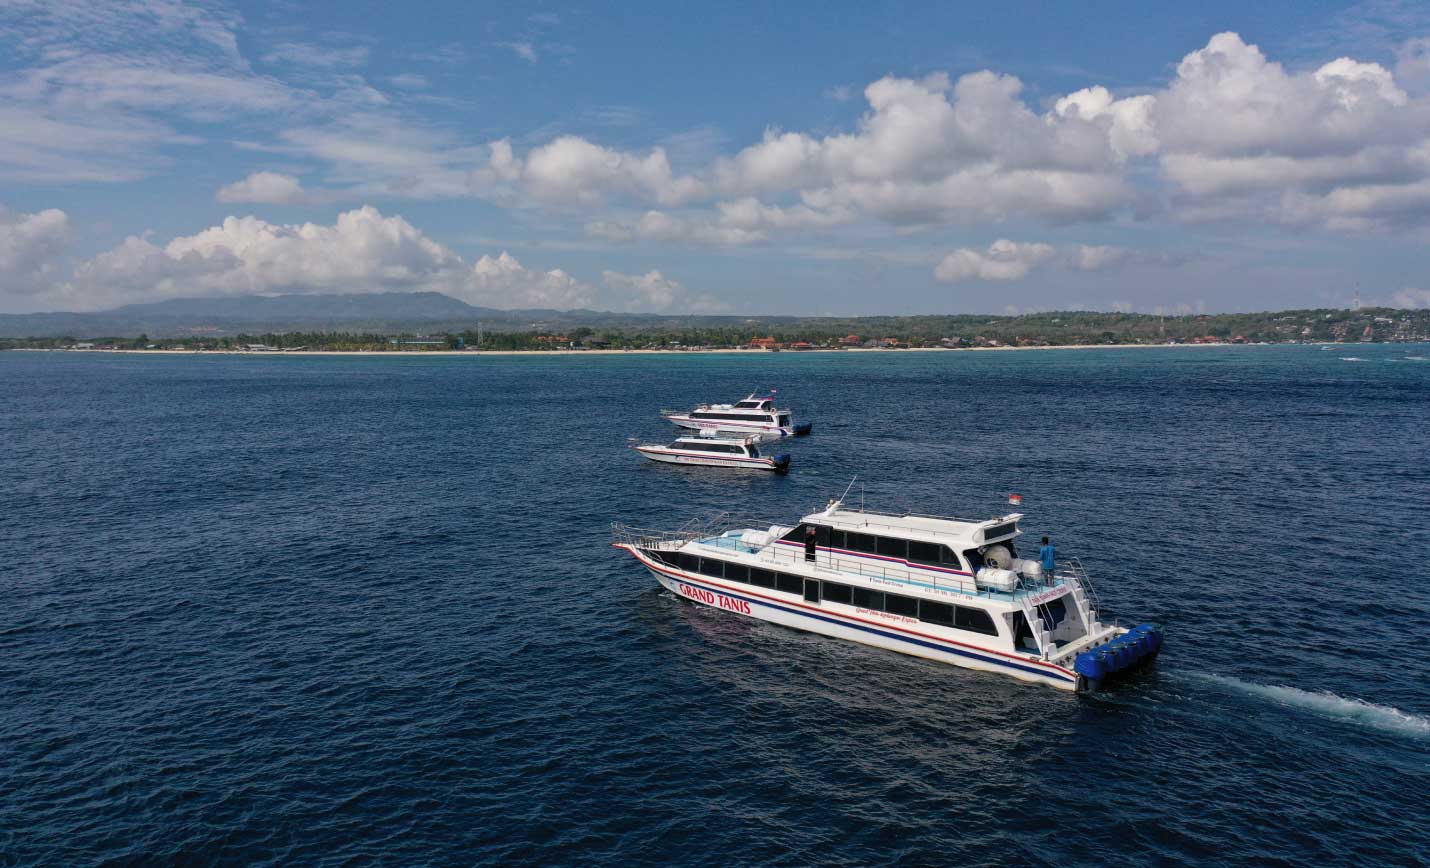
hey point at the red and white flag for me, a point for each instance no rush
(1015, 499)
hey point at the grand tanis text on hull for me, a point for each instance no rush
(947, 589)
(756, 415)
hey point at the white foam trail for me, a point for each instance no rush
(1327, 704)
(1352, 359)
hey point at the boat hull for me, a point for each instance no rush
(790, 611)
(763, 429)
(780, 465)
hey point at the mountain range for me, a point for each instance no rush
(379, 313)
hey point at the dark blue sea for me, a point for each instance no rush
(352, 611)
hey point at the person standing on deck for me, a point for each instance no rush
(1048, 554)
(811, 542)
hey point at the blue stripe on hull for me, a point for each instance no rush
(832, 619)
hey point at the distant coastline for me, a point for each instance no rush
(744, 351)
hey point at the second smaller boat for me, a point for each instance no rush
(709, 451)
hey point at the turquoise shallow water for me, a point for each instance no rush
(364, 610)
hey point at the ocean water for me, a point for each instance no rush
(348, 611)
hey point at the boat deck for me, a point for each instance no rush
(825, 563)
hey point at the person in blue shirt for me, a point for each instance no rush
(1048, 554)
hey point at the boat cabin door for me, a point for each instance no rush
(1023, 634)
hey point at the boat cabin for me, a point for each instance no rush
(744, 446)
(958, 545)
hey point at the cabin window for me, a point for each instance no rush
(790, 584)
(811, 590)
(936, 613)
(1053, 613)
(898, 604)
(690, 563)
(713, 568)
(784, 420)
(769, 418)
(795, 535)
(866, 598)
(894, 548)
(860, 542)
(835, 592)
(836, 539)
(722, 447)
(992, 533)
(742, 417)
(974, 621)
(762, 578)
(925, 552)
(737, 572)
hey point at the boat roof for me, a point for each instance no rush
(757, 402)
(932, 528)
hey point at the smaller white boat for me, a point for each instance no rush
(706, 450)
(756, 414)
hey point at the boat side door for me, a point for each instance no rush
(811, 590)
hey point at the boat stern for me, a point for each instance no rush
(1128, 652)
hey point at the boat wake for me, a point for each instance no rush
(1352, 359)
(1327, 704)
(1416, 359)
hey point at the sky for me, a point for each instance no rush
(733, 158)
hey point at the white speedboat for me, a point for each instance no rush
(756, 414)
(712, 451)
(947, 589)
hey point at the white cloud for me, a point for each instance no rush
(571, 171)
(361, 251)
(931, 150)
(503, 281)
(408, 81)
(1127, 121)
(654, 292)
(1096, 257)
(1343, 145)
(30, 248)
(1414, 299)
(703, 230)
(270, 188)
(525, 50)
(308, 54)
(1003, 260)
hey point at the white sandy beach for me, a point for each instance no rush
(641, 352)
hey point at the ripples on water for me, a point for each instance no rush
(341, 610)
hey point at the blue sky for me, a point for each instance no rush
(735, 158)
